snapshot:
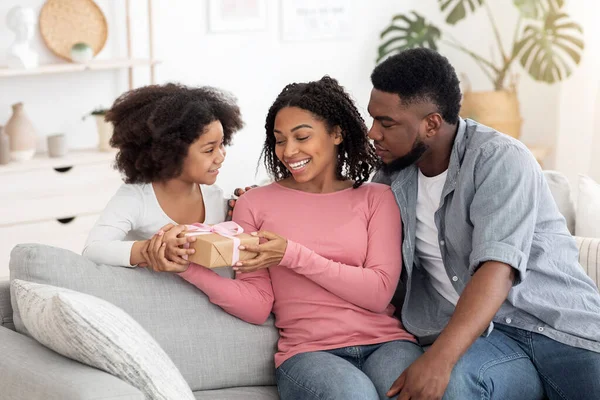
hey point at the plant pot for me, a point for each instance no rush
(105, 131)
(496, 109)
(22, 134)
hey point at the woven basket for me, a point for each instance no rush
(497, 109)
(66, 22)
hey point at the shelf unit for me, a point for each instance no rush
(98, 65)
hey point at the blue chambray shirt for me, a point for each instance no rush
(496, 206)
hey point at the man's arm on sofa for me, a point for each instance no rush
(30, 371)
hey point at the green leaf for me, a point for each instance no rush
(549, 48)
(458, 8)
(407, 32)
(537, 9)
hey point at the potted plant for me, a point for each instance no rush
(546, 43)
(105, 129)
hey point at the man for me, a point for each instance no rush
(491, 279)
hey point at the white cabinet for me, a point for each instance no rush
(54, 201)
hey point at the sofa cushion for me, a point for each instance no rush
(561, 191)
(589, 257)
(588, 208)
(96, 333)
(6, 313)
(240, 393)
(211, 348)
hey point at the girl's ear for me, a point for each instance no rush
(338, 136)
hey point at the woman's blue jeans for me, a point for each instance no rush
(348, 373)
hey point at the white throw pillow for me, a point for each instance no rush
(97, 333)
(561, 192)
(588, 208)
(589, 257)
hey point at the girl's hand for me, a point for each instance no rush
(174, 244)
(269, 253)
(156, 255)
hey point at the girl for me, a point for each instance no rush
(171, 142)
(331, 269)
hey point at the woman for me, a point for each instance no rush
(329, 260)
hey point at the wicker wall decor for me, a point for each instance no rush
(66, 22)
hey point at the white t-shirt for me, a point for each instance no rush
(134, 214)
(427, 246)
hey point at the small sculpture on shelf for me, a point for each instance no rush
(22, 21)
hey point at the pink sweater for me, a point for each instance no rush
(334, 285)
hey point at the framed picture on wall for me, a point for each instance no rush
(237, 15)
(316, 19)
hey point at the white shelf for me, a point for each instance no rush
(58, 68)
(73, 157)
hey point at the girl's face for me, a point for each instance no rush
(305, 146)
(205, 156)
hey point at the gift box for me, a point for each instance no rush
(217, 245)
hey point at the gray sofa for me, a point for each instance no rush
(220, 356)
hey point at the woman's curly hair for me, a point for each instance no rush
(328, 102)
(155, 125)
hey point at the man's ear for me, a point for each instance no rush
(338, 136)
(434, 123)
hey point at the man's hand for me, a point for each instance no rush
(269, 253)
(426, 379)
(231, 202)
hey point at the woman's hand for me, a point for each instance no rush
(156, 256)
(174, 250)
(268, 253)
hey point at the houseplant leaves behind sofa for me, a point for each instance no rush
(546, 42)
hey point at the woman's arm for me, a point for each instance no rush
(249, 296)
(370, 286)
(105, 243)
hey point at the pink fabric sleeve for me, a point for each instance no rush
(370, 286)
(250, 295)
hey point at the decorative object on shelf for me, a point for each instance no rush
(23, 136)
(237, 15)
(303, 20)
(82, 53)
(4, 147)
(547, 44)
(64, 23)
(105, 129)
(57, 145)
(21, 20)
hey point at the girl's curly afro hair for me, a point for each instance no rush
(155, 125)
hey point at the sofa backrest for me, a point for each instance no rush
(6, 312)
(211, 348)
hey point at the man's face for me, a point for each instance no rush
(398, 130)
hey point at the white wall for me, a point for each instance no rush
(253, 65)
(578, 119)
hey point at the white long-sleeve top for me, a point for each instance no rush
(134, 214)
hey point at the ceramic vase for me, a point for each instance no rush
(105, 130)
(22, 134)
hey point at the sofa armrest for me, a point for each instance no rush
(31, 371)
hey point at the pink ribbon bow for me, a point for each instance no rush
(227, 229)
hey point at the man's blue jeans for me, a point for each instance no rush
(348, 373)
(515, 364)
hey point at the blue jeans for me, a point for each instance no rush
(515, 364)
(356, 372)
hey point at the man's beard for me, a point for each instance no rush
(419, 148)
